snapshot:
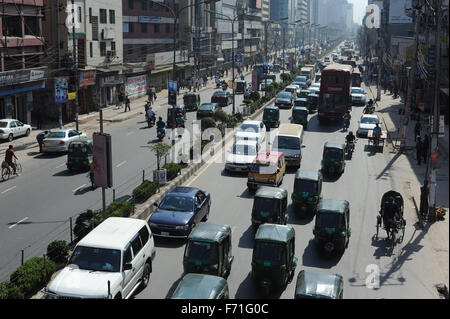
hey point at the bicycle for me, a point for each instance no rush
(6, 170)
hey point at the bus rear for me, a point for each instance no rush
(335, 95)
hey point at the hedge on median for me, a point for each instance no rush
(57, 250)
(173, 169)
(145, 191)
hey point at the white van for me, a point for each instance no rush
(112, 261)
(308, 72)
(289, 140)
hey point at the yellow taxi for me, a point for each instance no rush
(267, 169)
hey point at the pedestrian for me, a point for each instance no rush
(40, 139)
(423, 206)
(419, 147)
(425, 146)
(149, 92)
(120, 100)
(127, 104)
(417, 128)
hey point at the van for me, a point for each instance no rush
(112, 261)
(289, 141)
(308, 72)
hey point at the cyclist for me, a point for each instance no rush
(9, 158)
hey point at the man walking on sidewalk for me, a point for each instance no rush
(120, 100)
(419, 148)
(423, 206)
(127, 104)
(417, 128)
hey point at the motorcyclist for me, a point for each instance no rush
(161, 125)
(150, 114)
(370, 103)
(347, 117)
(246, 94)
(376, 131)
(180, 120)
(350, 138)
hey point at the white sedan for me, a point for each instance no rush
(9, 129)
(251, 131)
(263, 84)
(59, 140)
(241, 156)
(358, 96)
(367, 123)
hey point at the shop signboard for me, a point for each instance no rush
(23, 76)
(87, 77)
(136, 85)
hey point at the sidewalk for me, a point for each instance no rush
(436, 235)
(89, 123)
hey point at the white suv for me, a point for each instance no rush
(112, 261)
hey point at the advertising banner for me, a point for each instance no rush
(87, 78)
(397, 11)
(62, 89)
(136, 86)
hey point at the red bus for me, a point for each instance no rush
(335, 92)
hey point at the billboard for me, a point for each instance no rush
(61, 89)
(136, 86)
(102, 160)
(397, 11)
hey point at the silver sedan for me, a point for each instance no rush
(59, 140)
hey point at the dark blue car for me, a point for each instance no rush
(179, 212)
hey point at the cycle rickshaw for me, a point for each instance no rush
(398, 227)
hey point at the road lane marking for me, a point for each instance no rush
(121, 164)
(60, 165)
(79, 188)
(7, 190)
(18, 223)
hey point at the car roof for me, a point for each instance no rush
(250, 122)
(61, 130)
(183, 191)
(199, 286)
(271, 192)
(8, 120)
(210, 232)
(308, 175)
(113, 233)
(272, 107)
(333, 206)
(272, 158)
(246, 142)
(318, 283)
(300, 108)
(274, 232)
(334, 145)
(370, 115)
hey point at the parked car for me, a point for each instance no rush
(112, 261)
(367, 123)
(9, 129)
(251, 130)
(206, 110)
(179, 212)
(241, 156)
(222, 98)
(59, 140)
(358, 96)
(284, 99)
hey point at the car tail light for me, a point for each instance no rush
(62, 143)
(1, 131)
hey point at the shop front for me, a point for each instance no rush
(88, 99)
(109, 87)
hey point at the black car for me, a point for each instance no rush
(284, 99)
(206, 110)
(222, 98)
(179, 212)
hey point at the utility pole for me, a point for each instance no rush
(284, 44)
(57, 34)
(75, 66)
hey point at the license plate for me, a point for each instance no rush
(164, 233)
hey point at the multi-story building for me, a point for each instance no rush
(22, 76)
(251, 29)
(265, 10)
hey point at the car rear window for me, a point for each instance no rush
(57, 134)
(3, 124)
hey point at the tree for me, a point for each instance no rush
(161, 150)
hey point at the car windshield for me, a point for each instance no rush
(265, 205)
(327, 220)
(287, 142)
(268, 251)
(358, 91)
(300, 113)
(201, 250)
(269, 113)
(96, 259)
(57, 134)
(190, 98)
(264, 169)
(300, 79)
(3, 124)
(284, 95)
(206, 107)
(219, 94)
(300, 103)
(249, 128)
(333, 153)
(242, 149)
(369, 120)
(306, 186)
(177, 203)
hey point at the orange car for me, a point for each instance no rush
(268, 169)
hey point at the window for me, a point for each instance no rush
(144, 4)
(155, 6)
(130, 51)
(127, 256)
(79, 14)
(130, 27)
(103, 17)
(156, 28)
(90, 15)
(136, 244)
(145, 235)
(91, 50)
(112, 16)
(113, 46)
(143, 27)
(130, 4)
(167, 28)
(102, 48)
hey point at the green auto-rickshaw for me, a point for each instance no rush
(300, 116)
(332, 226)
(301, 102)
(271, 117)
(80, 155)
(307, 191)
(313, 101)
(304, 93)
(208, 250)
(191, 101)
(241, 86)
(333, 161)
(270, 206)
(201, 286)
(172, 113)
(313, 284)
(273, 260)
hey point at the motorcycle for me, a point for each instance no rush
(160, 134)
(369, 109)
(346, 124)
(350, 148)
(150, 121)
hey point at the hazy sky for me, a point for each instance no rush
(359, 8)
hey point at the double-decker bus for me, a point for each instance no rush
(335, 92)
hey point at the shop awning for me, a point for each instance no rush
(169, 68)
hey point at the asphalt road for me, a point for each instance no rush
(404, 272)
(36, 206)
